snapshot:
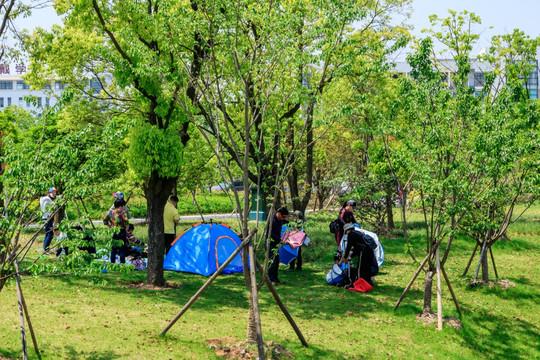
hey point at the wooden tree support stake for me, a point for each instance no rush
(255, 300)
(87, 213)
(439, 291)
(282, 306)
(27, 315)
(493, 262)
(21, 316)
(208, 282)
(412, 280)
(451, 290)
(470, 260)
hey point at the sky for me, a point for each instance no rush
(503, 15)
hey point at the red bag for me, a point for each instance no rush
(361, 285)
(294, 238)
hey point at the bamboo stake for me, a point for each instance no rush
(21, 317)
(208, 283)
(27, 315)
(412, 280)
(470, 260)
(282, 306)
(79, 213)
(493, 261)
(87, 213)
(255, 300)
(439, 291)
(451, 290)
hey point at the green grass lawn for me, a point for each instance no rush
(83, 317)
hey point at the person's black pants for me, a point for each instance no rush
(168, 240)
(297, 260)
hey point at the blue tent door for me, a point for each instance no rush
(224, 246)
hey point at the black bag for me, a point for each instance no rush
(334, 226)
(370, 241)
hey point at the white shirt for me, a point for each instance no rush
(44, 203)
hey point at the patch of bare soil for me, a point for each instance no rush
(503, 284)
(144, 286)
(5, 358)
(430, 318)
(230, 348)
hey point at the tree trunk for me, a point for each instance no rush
(428, 290)
(157, 192)
(485, 265)
(389, 211)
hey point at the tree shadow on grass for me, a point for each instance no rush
(73, 353)
(492, 341)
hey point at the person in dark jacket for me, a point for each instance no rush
(345, 217)
(356, 244)
(279, 218)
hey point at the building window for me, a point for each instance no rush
(21, 102)
(1, 102)
(28, 103)
(58, 85)
(47, 102)
(478, 79)
(6, 85)
(96, 85)
(533, 94)
(38, 102)
(8, 101)
(22, 86)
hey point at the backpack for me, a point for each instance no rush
(335, 275)
(334, 226)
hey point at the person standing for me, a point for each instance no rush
(45, 204)
(170, 219)
(119, 220)
(279, 218)
(345, 217)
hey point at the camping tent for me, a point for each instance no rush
(203, 249)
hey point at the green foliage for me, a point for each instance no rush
(153, 149)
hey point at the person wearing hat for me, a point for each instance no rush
(120, 196)
(356, 244)
(45, 204)
(345, 217)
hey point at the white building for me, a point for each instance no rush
(476, 76)
(14, 91)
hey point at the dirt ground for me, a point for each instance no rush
(230, 348)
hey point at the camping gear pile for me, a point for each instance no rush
(344, 275)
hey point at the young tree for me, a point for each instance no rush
(441, 109)
(506, 143)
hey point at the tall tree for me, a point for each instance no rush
(130, 55)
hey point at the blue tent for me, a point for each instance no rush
(203, 249)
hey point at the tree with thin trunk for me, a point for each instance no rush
(506, 144)
(440, 109)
